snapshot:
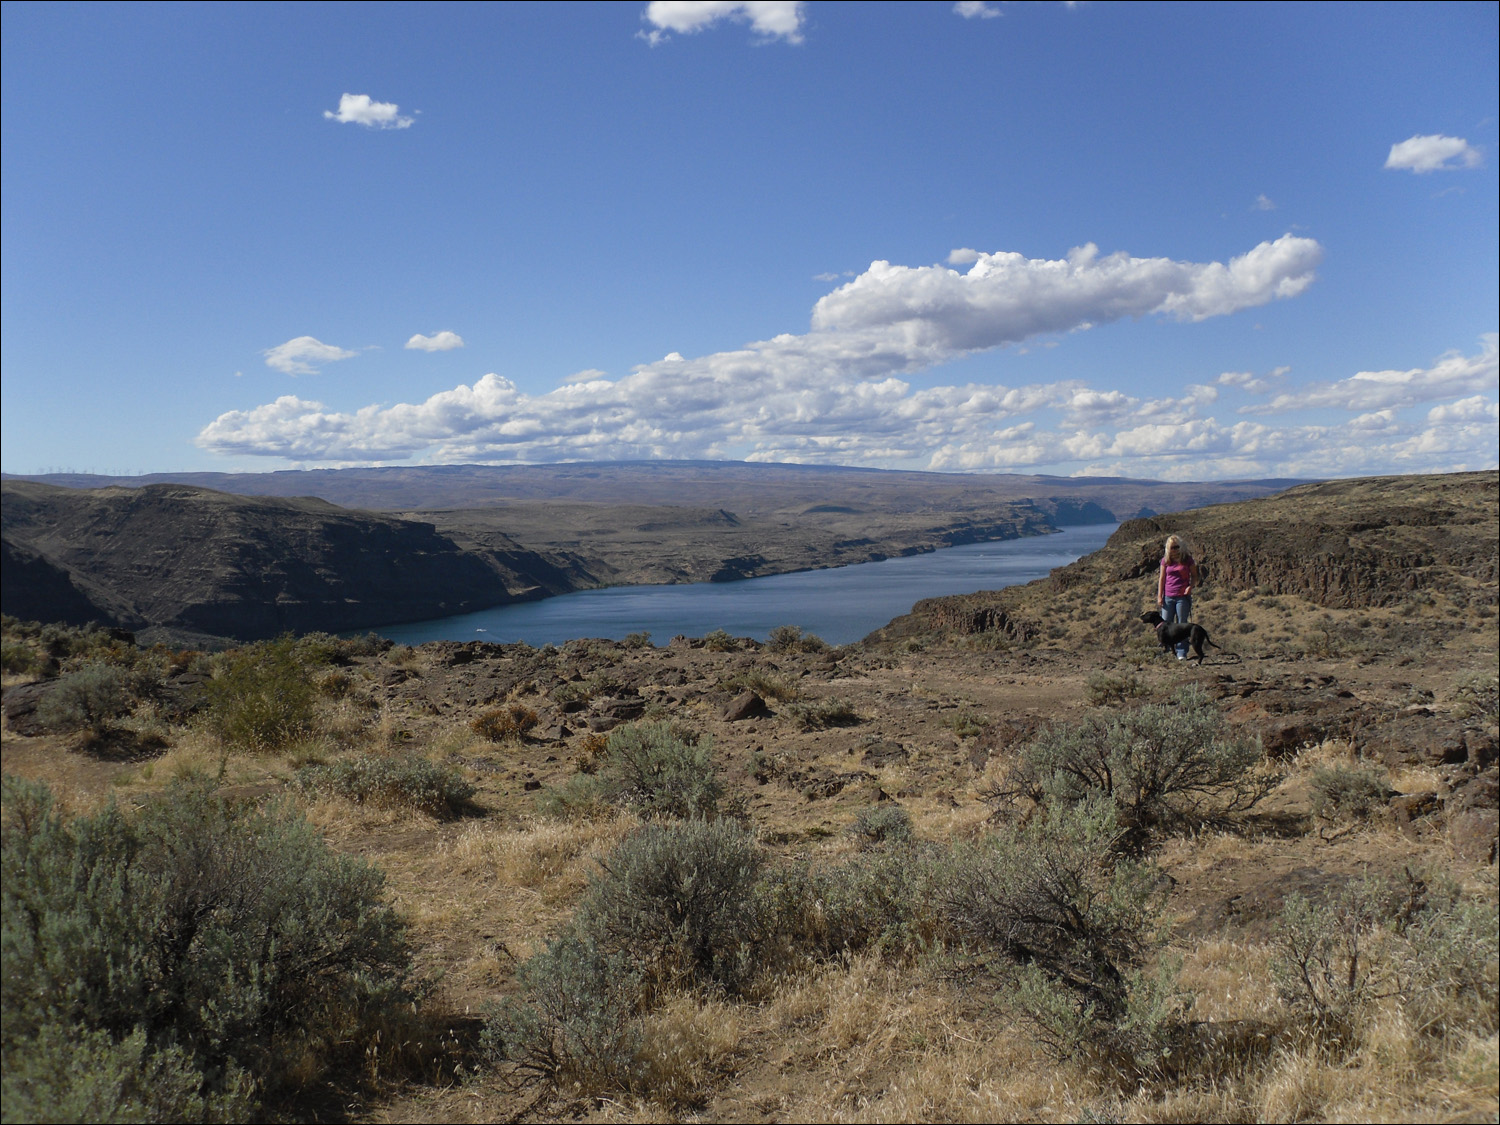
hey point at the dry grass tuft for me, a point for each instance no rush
(555, 856)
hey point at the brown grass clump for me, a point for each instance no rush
(513, 720)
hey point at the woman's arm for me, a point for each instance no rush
(1161, 583)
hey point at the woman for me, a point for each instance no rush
(1175, 579)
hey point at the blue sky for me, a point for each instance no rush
(1173, 241)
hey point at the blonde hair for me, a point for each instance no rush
(1172, 541)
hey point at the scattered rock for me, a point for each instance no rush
(886, 753)
(746, 705)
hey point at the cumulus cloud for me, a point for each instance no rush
(771, 19)
(976, 10)
(437, 342)
(303, 355)
(1432, 154)
(838, 393)
(963, 256)
(359, 109)
(1452, 375)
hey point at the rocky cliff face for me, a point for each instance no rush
(191, 561)
(1365, 543)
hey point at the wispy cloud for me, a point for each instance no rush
(1263, 202)
(1452, 375)
(1433, 153)
(976, 10)
(437, 342)
(303, 355)
(359, 109)
(770, 19)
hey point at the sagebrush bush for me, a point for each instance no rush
(1477, 696)
(262, 697)
(74, 1074)
(887, 823)
(1069, 925)
(1166, 767)
(881, 899)
(659, 769)
(576, 1023)
(719, 641)
(1423, 943)
(390, 780)
(1343, 795)
(230, 938)
(791, 638)
(89, 698)
(677, 898)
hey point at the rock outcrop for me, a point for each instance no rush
(194, 563)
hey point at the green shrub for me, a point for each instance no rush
(261, 697)
(1477, 696)
(584, 796)
(677, 897)
(882, 824)
(637, 640)
(389, 780)
(880, 899)
(230, 938)
(1434, 950)
(719, 641)
(1105, 688)
(764, 684)
(576, 1024)
(1067, 924)
(1344, 795)
(791, 638)
(74, 1074)
(17, 658)
(659, 769)
(966, 724)
(1166, 767)
(88, 699)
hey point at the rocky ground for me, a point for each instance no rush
(923, 715)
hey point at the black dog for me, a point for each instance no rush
(1173, 633)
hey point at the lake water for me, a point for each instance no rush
(840, 604)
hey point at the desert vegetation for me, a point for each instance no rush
(926, 879)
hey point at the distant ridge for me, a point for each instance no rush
(739, 486)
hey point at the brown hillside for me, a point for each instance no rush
(1374, 543)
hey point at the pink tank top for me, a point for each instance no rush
(1178, 576)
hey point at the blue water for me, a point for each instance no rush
(840, 604)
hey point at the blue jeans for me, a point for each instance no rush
(1178, 609)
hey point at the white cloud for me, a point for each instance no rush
(359, 109)
(1474, 409)
(1263, 202)
(963, 256)
(825, 277)
(838, 393)
(976, 10)
(437, 342)
(771, 19)
(1452, 375)
(303, 355)
(1433, 153)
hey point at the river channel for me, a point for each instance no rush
(839, 604)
